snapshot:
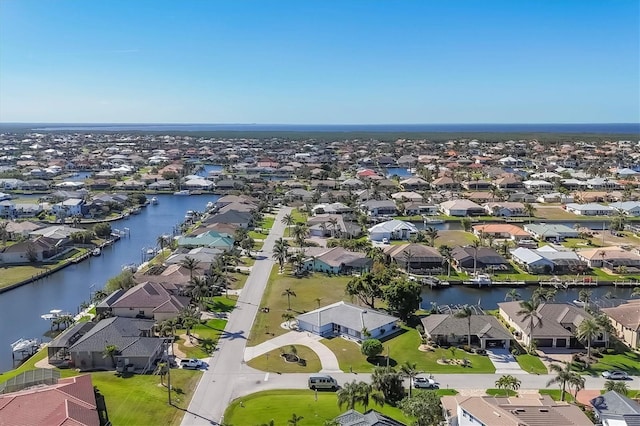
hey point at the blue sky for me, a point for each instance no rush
(320, 62)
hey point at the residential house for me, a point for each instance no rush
(558, 328)
(131, 336)
(375, 208)
(347, 320)
(22, 229)
(500, 231)
(625, 318)
(70, 207)
(211, 239)
(337, 260)
(407, 196)
(414, 184)
(470, 258)
(369, 418)
(331, 208)
(7, 209)
(555, 197)
(613, 409)
(444, 182)
(298, 194)
(416, 258)
(461, 208)
(590, 209)
(69, 401)
(486, 330)
(629, 208)
(546, 260)
(420, 208)
(150, 300)
(525, 410)
(505, 209)
(550, 232)
(392, 230)
(537, 185)
(610, 258)
(28, 251)
(509, 182)
(477, 185)
(232, 217)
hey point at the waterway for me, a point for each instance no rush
(20, 308)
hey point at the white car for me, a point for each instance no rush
(424, 383)
(615, 375)
(385, 241)
(191, 363)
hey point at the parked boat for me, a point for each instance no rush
(481, 279)
(433, 221)
(53, 314)
(23, 345)
(154, 201)
(96, 252)
(182, 192)
(136, 210)
(579, 303)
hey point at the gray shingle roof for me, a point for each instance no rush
(483, 326)
(347, 315)
(614, 405)
(121, 332)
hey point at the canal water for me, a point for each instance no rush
(20, 308)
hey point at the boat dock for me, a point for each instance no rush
(23, 349)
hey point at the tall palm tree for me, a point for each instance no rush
(334, 225)
(512, 295)
(162, 242)
(576, 382)
(300, 231)
(564, 376)
(476, 244)
(280, 252)
(287, 220)
(447, 254)
(367, 392)
(529, 311)
(348, 394)
(190, 264)
(188, 317)
(4, 234)
(588, 330)
(431, 234)
(288, 292)
(408, 257)
(508, 382)
(621, 387)
(585, 296)
(635, 292)
(530, 210)
(466, 312)
(198, 288)
(377, 254)
(410, 371)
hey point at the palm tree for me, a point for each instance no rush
(530, 210)
(300, 232)
(410, 371)
(475, 244)
(110, 351)
(190, 264)
(295, 420)
(588, 330)
(512, 295)
(508, 382)
(280, 252)
(318, 299)
(288, 292)
(529, 311)
(188, 317)
(621, 387)
(162, 242)
(432, 234)
(408, 257)
(377, 254)
(576, 382)
(366, 392)
(447, 254)
(563, 377)
(585, 296)
(334, 225)
(287, 220)
(466, 312)
(348, 394)
(198, 288)
(4, 234)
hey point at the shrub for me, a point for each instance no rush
(420, 329)
(515, 352)
(466, 348)
(371, 348)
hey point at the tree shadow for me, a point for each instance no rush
(218, 306)
(381, 361)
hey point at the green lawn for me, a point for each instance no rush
(212, 329)
(220, 303)
(279, 405)
(555, 394)
(258, 235)
(404, 347)
(238, 279)
(531, 364)
(308, 289)
(625, 360)
(257, 246)
(501, 392)
(298, 216)
(455, 238)
(267, 222)
(276, 364)
(247, 261)
(14, 274)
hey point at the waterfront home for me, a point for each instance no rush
(347, 320)
(37, 249)
(235, 199)
(550, 232)
(392, 230)
(420, 208)
(546, 260)
(505, 209)
(501, 231)
(375, 208)
(204, 255)
(537, 185)
(337, 260)
(211, 239)
(131, 336)
(50, 400)
(444, 182)
(231, 217)
(198, 183)
(322, 226)
(611, 258)
(7, 209)
(11, 184)
(174, 274)
(555, 197)
(461, 208)
(525, 410)
(557, 328)
(629, 208)
(22, 229)
(481, 258)
(70, 207)
(149, 300)
(331, 208)
(625, 318)
(486, 330)
(161, 185)
(508, 182)
(590, 209)
(368, 418)
(415, 258)
(407, 196)
(613, 409)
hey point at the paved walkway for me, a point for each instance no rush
(327, 358)
(504, 362)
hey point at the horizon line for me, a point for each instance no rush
(311, 124)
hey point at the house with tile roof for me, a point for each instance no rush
(501, 231)
(469, 258)
(625, 318)
(486, 330)
(461, 207)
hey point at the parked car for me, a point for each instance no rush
(322, 381)
(615, 375)
(424, 383)
(385, 241)
(191, 363)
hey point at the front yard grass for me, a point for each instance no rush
(274, 363)
(212, 330)
(267, 222)
(455, 238)
(238, 280)
(308, 289)
(279, 405)
(531, 364)
(555, 394)
(404, 347)
(624, 359)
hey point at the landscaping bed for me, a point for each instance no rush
(274, 362)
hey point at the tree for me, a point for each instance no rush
(529, 311)
(198, 288)
(512, 295)
(280, 252)
(425, 407)
(585, 296)
(403, 298)
(367, 392)
(564, 375)
(576, 382)
(188, 317)
(466, 312)
(475, 245)
(432, 234)
(288, 292)
(300, 232)
(4, 234)
(247, 244)
(635, 292)
(410, 371)
(466, 224)
(295, 420)
(162, 242)
(287, 220)
(110, 351)
(333, 222)
(388, 381)
(371, 348)
(588, 330)
(530, 210)
(621, 387)
(367, 288)
(348, 394)
(447, 254)
(508, 382)
(190, 264)
(408, 257)
(102, 230)
(376, 254)
(124, 280)
(32, 252)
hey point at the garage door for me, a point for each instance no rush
(498, 343)
(544, 343)
(561, 343)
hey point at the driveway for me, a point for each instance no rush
(504, 362)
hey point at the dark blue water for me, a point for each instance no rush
(609, 128)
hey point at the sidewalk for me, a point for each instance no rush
(327, 358)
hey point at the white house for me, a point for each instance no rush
(461, 208)
(392, 230)
(537, 185)
(345, 319)
(71, 207)
(630, 208)
(546, 232)
(590, 209)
